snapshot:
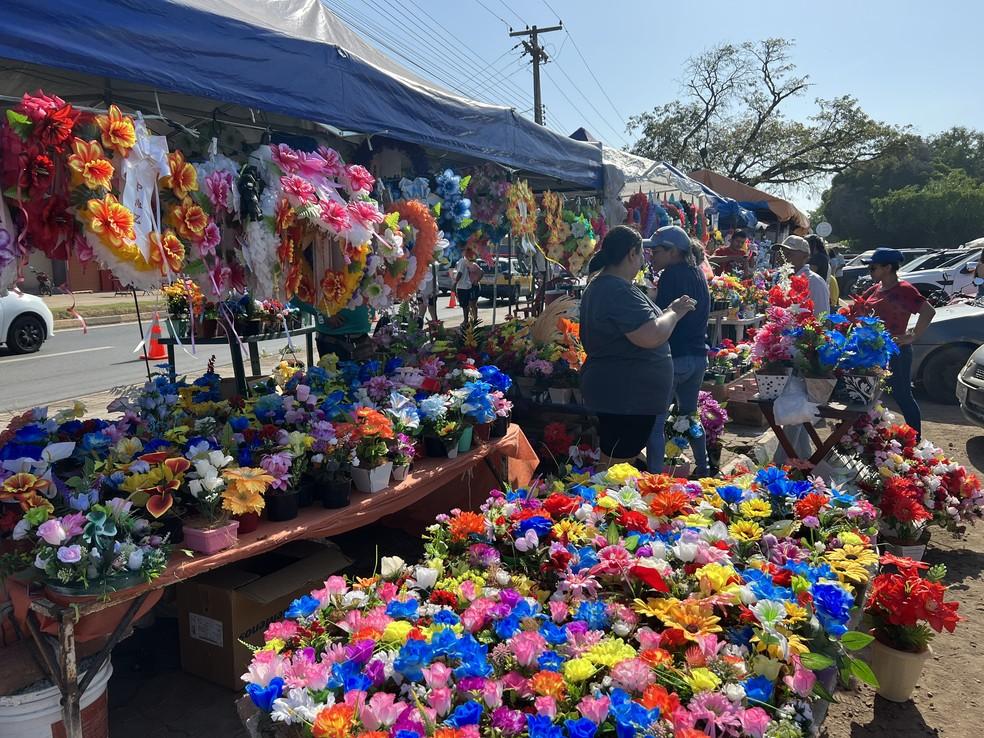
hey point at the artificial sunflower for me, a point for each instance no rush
(852, 562)
(692, 617)
(745, 531)
(755, 508)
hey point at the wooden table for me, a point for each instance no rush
(845, 415)
(236, 350)
(510, 459)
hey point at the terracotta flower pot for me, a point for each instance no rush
(898, 672)
(209, 540)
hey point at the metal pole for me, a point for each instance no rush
(136, 304)
(495, 283)
(539, 56)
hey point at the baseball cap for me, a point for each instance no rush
(796, 243)
(885, 256)
(670, 237)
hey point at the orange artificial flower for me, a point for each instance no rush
(26, 489)
(548, 684)
(692, 617)
(670, 503)
(373, 423)
(111, 221)
(89, 166)
(167, 250)
(283, 215)
(333, 722)
(656, 695)
(183, 178)
(810, 505)
(466, 523)
(189, 219)
(117, 129)
(656, 656)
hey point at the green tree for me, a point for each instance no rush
(947, 211)
(731, 119)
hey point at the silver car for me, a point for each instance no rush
(942, 354)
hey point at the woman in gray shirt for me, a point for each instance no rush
(627, 377)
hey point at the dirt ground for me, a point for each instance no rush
(949, 701)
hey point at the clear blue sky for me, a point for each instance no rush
(906, 62)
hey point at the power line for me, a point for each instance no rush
(521, 19)
(494, 14)
(601, 118)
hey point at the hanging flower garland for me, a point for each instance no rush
(579, 248)
(552, 210)
(521, 211)
(339, 286)
(420, 230)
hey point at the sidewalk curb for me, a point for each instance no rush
(64, 323)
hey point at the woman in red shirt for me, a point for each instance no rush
(895, 301)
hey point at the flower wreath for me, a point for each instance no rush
(421, 229)
(552, 208)
(522, 225)
(581, 244)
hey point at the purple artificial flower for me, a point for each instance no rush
(70, 554)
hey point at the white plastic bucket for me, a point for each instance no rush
(32, 715)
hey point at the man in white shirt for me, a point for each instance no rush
(466, 279)
(796, 251)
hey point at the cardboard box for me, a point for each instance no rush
(219, 609)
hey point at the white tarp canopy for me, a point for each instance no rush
(649, 176)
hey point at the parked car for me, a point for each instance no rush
(952, 278)
(856, 269)
(970, 388)
(520, 284)
(929, 260)
(941, 354)
(25, 322)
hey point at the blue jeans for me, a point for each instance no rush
(688, 374)
(900, 385)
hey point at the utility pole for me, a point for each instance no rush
(538, 55)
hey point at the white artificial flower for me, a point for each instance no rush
(391, 566)
(425, 576)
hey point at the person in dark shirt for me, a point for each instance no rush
(672, 251)
(819, 258)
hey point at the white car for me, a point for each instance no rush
(25, 322)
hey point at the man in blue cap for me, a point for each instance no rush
(895, 301)
(672, 251)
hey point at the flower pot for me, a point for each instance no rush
(336, 493)
(281, 507)
(500, 426)
(209, 327)
(680, 469)
(914, 551)
(247, 523)
(857, 389)
(38, 713)
(372, 480)
(576, 397)
(400, 472)
(66, 593)
(559, 395)
(435, 448)
(483, 432)
(819, 389)
(898, 672)
(525, 386)
(210, 540)
(452, 450)
(179, 326)
(465, 441)
(306, 491)
(770, 386)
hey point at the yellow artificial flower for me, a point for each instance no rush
(579, 670)
(571, 530)
(702, 680)
(852, 562)
(755, 508)
(247, 478)
(745, 531)
(693, 617)
(850, 538)
(714, 578)
(621, 474)
(794, 612)
(118, 133)
(607, 502)
(609, 652)
(89, 166)
(242, 500)
(397, 632)
(652, 607)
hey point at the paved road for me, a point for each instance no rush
(72, 364)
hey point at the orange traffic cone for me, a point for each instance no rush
(453, 302)
(157, 350)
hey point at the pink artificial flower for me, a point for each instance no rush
(298, 190)
(632, 675)
(382, 711)
(333, 161)
(648, 639)
(467, 590)
(545, 705)
(594, 709)
(74, 524)
(436, 675)
(440, 699)
(527, 646)
(37, 105)
(356, 699)
(265, 666)
(558, 610)
(311, 165)
(755, 721)
(218, 187)
(365, 213)
(286, 158)
(283, 630)
(335, 216)
(802, 680)
(387, 591)
(613, 560)
(336, 585)
(52, 532)
(211, 238)
(220, 276)
(357, 179)
(517, 683)
(492, 694)
(82, 250)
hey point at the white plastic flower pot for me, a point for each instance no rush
(819, 389)
(897, 671)
(770, 386)
(36, 714)
(372, 480)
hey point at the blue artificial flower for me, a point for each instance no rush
(731, 494)
(444, 642)
(813, 573)
(368, 370)
(393, 364)
(538, 524)
(407, 734)
(13, 450)
(763, 587)
(836, 319)
(630, 716)
(269, 408)
(580, 728)
(759, 688)
(588, 494)
(467, 714)
(414, 655)
(593, 613)
(586, 557)
(446, 617)
(555, 635)
(473, 657)
(496, 378)
(406, 610)
(69, 428)
(833, 606)
(263, 697)
(32, 433)
(550, 661)
(302, 607)
(239, 423)
(541, 726)
(347, 675)
(95, 443)
(433, 407)
(334, 405)
(507, 627)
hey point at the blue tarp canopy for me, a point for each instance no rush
(292, 57)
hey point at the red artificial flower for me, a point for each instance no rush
(634, 521)
(651, 577)
(560, 506)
